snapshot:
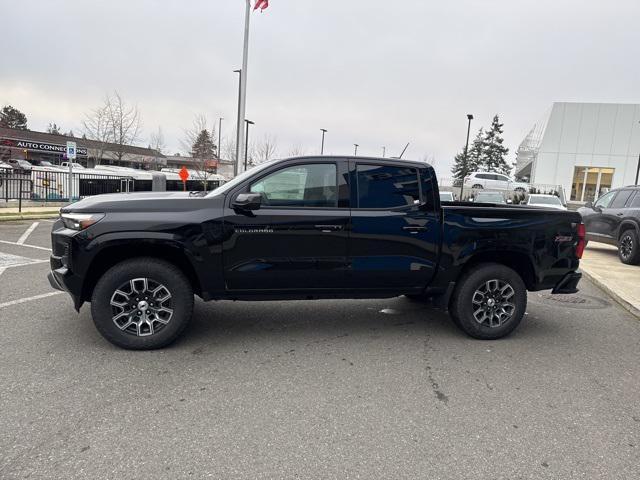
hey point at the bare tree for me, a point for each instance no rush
(156, 142)
(265, 150)
(124, 121)
(96, 128)
(297, 151)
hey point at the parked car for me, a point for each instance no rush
(493, 181)
(18, 164)
(547, 201)
(615, 219)
(489, 197)
(6, 166)
(447, 197)
(75, 165)
(307, 228)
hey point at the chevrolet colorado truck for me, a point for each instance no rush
(308, 228)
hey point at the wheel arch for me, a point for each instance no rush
(517, 261)
(116, 253)
(628, 225)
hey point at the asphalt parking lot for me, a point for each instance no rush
(323, 389)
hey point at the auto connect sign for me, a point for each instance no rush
(41, 146)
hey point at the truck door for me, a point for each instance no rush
(297, 239)
(395, 230)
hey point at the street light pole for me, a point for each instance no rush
(638, 169)
(220, 136)
(242, 104)
(235, 164)
(355, 152)
(324, 130)
(466, 149)
(384, 151)
(246, 142)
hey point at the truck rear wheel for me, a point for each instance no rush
(489, 301)
(142, 304)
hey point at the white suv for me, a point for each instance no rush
(493, 181)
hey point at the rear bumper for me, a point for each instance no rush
(568, 283)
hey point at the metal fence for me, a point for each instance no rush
(54, 186)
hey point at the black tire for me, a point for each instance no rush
(629, 248)
(151, 335)
(477, 186)
(462, 306)
(519, 190)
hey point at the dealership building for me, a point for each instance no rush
(586, 148)
(37, 147)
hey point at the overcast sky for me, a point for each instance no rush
(371, 72)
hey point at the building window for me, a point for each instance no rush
(589, 183)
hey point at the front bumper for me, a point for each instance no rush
(568, 283)
(61, 278)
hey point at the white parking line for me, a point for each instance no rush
(28, 232)
(29, 299)
(25, 245)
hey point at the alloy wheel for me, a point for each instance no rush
(492, 303)
(141, 307)
(626, 246)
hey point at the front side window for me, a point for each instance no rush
(383, 186)
(312, 185)
(502, 178)
(604, 201)
(621, 199)
(636, 201)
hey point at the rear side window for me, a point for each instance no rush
(635, 203)
(383, 186)
(485, 176)
(621, 199)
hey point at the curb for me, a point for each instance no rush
(617, 297)
(26, 216)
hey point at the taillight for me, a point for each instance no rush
(582, 240)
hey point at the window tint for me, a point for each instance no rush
(604, 201)
(635, 203)
(386, 187)
(484, 176)
(312, 185)
(621, 199)
(502, 178)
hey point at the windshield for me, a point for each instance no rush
(240, 178)
(540, 200)
(490, 198)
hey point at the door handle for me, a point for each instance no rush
(620, 214)
(328, 228)
(414, 229)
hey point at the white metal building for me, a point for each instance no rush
(587, 148)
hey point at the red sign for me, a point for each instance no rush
(184, 174)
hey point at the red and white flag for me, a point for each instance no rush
(261, 4)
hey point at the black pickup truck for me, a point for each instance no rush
(308, 228)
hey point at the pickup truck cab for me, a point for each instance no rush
(308, 228)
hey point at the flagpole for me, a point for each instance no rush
(242, 104)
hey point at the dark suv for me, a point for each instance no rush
(615, 219)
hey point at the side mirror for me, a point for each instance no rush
(248, 201)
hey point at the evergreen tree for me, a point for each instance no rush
(494, 152)
(203, 147)
(12, 118)
(459, 169)
(476, 153)
(53, 129)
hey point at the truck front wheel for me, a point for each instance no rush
(489, 301)
(142, 304)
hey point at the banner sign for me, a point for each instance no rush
(41, 146)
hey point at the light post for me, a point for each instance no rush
(355, 151)
(324, 130)
(638, 169)
(242, 101)
(237, 162)
(246, 142)
(466, 149)
(220, 135)
(384, 151)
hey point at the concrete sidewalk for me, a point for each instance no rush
(601, 264)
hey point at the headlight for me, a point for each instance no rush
(80, 221)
